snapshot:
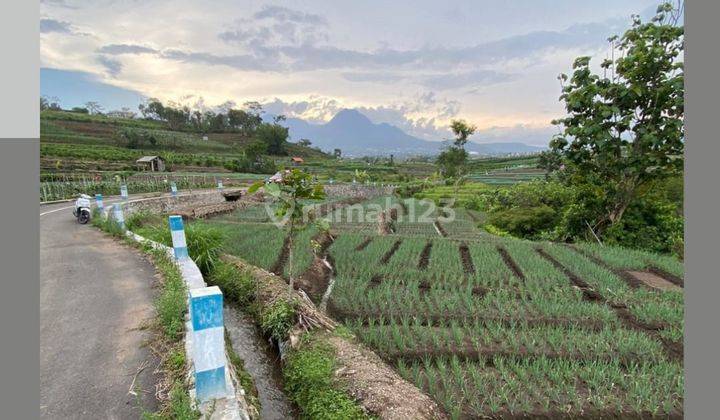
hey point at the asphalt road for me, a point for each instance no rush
(95, 297)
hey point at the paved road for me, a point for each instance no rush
(95, 295)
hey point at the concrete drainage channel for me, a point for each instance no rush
(215, 384)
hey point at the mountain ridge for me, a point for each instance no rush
(356, 135)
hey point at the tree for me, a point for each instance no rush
(275, 137)
(462, 130)
(296, 185)
(255, 149)
(51, 104)
(304, 142)
(94, 107)
(337, 153)
(153, 109)
(79, 110)
(243, 121)
(624, 130)
(551, 161)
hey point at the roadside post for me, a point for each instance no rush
(208, 343)
(220, 185)
(177, 229)
(99, 201)
(173, 189)
(124, 192)
(119, 218)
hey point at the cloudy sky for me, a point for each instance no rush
(415, 64)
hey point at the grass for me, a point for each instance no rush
(309, 381)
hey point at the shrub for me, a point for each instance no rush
(277, 319)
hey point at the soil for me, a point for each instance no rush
(383, 225)
(384, 260)
(375, 281)
(394, 213)
(364, 243)
(467, 261)
(512, 265)
(314, 281)
(633, 280)
(377, 387)
(440, 229)
(672, 278)
(652, 280)
(279, 265)
(425, 256)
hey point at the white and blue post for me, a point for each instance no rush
(124, 192)
(173, 189)
(220, 186)
(119, 218)
(98, 200)
(177, 229)
(206, 316)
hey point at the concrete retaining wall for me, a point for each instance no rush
(358, 190)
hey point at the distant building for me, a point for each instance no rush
(296, 161)
(151, 163)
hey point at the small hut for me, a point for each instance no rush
(297, 161)
(151, 163)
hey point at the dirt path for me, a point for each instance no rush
(95, 297)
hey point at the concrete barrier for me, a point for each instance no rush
(99, 201)
(206, 314)
(118, 214)
(177, 230)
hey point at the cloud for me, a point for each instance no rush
(436, 81)
(57, 26)
(275, 26)
(118, 49)
(111, 65)
(58, 3)
(283, 14)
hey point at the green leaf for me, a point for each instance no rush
(273, 189)
(255, 186)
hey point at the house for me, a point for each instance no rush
(277, 178)
(151, 163)
(296, 161)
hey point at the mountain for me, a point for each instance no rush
(353, 133)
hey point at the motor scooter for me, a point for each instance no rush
(81, 211)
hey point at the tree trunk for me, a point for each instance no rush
(623, 201)
(291, 279)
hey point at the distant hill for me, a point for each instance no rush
(354, 133)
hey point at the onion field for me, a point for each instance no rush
(489, 326)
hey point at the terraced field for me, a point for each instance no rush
(488, 326)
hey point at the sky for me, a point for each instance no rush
(416, 64)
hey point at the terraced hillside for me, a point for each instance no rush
(489, 326)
